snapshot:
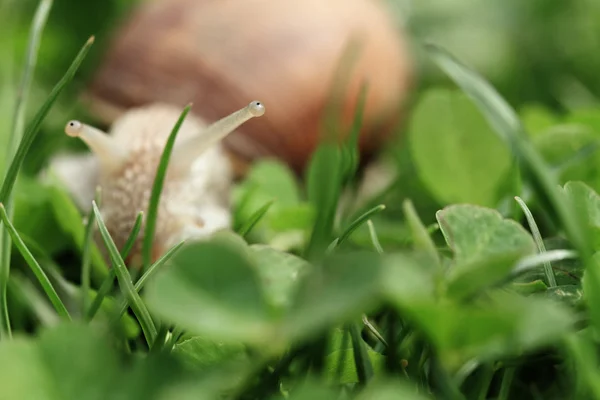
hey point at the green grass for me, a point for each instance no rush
(468, 300)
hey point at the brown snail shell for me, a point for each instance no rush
(218, 54)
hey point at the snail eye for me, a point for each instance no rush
(73, 128)
(256, 108)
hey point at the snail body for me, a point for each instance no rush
(195, 196)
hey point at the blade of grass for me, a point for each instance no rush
(25, 291)
(583, 354)
(33, 264)
(507, 379)
(147, 275)
(533, 261)
(358, 222)
(139, 308)
(538, 240)
(109, 280)
(33, 128)
(341, 360)
(374, 238)
(254, 219)
(374, 330)
(86, 262)
(157, 189)
(364, 369)
(35, 34)
(350, 151)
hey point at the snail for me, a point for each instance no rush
(195, 196)
(285, 52)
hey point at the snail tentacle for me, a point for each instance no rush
(111, 155)
(189, 150)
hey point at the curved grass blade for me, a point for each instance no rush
(86, 257)
(254, 219)
(33, 128)
(374, 330)
(364, 369)
(529, 262)
(374, 237)
(351, 155)
(358, 222)
(138, 306)
(34, 265)
(147, 275)
(538, 240)
(107, 284)
(157, 189)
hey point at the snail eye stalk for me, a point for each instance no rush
(111, 155)
(189, 150)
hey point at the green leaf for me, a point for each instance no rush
(279, 273)
(205, 354)
(36, 369)
(405, 279)
(70, 221)
(457, 154)
(212, 289)
(572, 149)
(391, 390)
(273, 180)
(421, 239)
(537, 119)
(342, 287)
(33, 215)
(485, 245)
(309, 390)
(348, 371)
(299, 217)
(529, 287)
(505, 325)
(586, 200)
